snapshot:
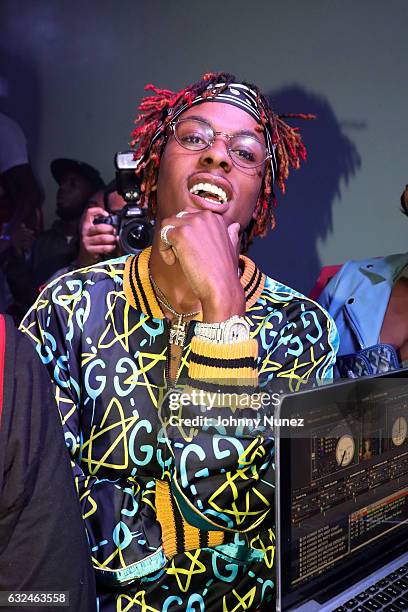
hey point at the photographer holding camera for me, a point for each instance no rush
(100, 240)
(113, 224)
(120, 226)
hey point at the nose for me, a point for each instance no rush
(217, 156)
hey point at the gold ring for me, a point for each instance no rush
(163, 234)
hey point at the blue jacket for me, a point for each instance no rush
(357, 298)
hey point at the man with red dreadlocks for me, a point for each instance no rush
(181, 517)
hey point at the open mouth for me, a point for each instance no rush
(210, 192)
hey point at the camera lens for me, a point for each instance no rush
(136, 232)
(135, 236)
(138, 236)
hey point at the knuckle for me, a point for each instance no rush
(180, 233)
(166, 221)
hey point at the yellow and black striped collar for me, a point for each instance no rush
(139, 291)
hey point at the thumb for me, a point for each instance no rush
(95, 211)
(167, 254)
(233, 232)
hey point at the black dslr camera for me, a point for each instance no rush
(134, 230)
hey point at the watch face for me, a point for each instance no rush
(345, 450)
(237, 331)
(399, 431)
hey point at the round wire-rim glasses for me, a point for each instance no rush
(244, 149)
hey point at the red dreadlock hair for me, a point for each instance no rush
(156, 113)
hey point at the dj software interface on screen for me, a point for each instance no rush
(349, 481)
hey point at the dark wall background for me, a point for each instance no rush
(72, 73)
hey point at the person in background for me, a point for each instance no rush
(97, 242)
(20, 193)
(100, 241)
(33, 260)
(368, 300)
(184, 520)
(43, 545)
(20, 198)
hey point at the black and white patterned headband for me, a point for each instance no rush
(238, 95)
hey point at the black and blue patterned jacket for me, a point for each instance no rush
(146, 497)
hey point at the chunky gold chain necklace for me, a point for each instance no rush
(178, 327)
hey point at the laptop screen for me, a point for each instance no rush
(344, 477)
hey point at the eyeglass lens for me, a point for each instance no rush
(243, 149)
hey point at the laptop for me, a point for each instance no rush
(342, 496)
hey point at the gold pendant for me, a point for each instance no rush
(178, 332)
